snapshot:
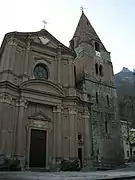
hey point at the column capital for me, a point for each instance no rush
(86, 113)
(12, 41)
(57, 109)
(22, 102)
(5, 98)
(28, 45)
(54, 109)
(72, 111)
(58, 56)
(70, 61)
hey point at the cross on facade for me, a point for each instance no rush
(82, 8)
(45, 22)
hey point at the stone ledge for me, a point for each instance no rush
(93, 175)
(117, 178)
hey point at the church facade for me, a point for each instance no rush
(58, 102)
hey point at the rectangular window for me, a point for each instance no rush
(101, 70)
(96, 97)
(96, 68)
(127, 153)
(97, 47)
(106, 126)
(107, 98)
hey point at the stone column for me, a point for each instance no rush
(71, 71)
(27, 51)
(7, 57)
(57, 146)
(20, 132)
(88, 137)
(5, 129)
(3, 57)
(12, 54)
(1, 125)
(72, 134)
(54, 137)
(58, 132)
(59, 56)
(3, 141)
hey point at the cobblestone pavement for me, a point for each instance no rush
(67, 175)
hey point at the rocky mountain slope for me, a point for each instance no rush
(124, 77)
(125, 85)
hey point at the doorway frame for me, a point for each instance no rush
(83, 159)
(28, 144)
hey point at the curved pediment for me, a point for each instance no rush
(40, 116)
(43, 87)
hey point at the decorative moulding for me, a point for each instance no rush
(40, 116)
(42, 59)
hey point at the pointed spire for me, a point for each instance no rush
(84, 31)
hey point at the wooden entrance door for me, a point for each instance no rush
(80, 155)
(38, 148)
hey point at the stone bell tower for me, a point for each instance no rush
(94, 75)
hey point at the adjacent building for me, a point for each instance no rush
(128, 135)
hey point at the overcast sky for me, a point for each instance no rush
(113, 20)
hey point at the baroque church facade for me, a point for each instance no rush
(58, 102)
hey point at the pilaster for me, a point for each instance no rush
(7, 58)
(59, 57)
(12, 55)
(72, 129)
(54, 132)
(27, 51)
(70, 72)
(5, 129)
(57, 138)
(88, 137)
(59, 133)
(20, 129)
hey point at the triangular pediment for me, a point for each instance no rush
(42, 37)
(40, 116)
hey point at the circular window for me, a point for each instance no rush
(40, 72)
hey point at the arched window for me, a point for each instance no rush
(41, 72)
(97, 47)
(101, 70)
(96, 68)
(79, 136)
(107, 98)
(96, 97)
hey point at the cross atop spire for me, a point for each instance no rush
(45, 22)
(82, 8)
